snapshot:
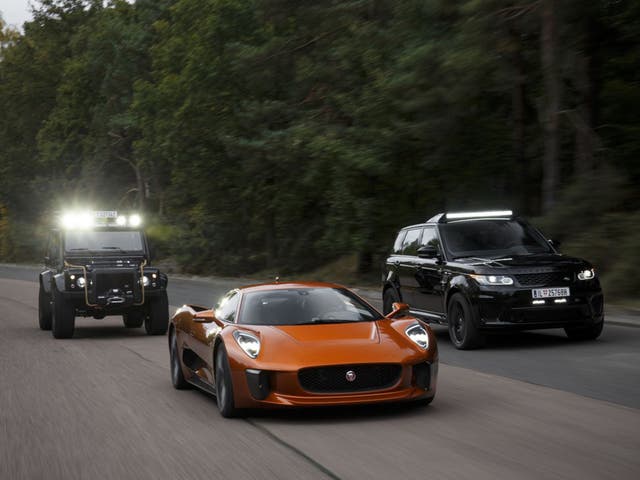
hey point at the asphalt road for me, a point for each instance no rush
(101, 405)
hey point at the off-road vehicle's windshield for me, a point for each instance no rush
(78, 241)
(298, 306)
(492, 239)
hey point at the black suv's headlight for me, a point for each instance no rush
(493, 279)
(588, 274)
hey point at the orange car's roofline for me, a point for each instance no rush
(287, 285)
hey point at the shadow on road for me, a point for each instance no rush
(104, 332)
(522, 340)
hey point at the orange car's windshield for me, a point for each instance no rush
(303, 306)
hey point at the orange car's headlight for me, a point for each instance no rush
(248, 342)
(418, 335)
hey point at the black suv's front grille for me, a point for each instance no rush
(349, 378)
(544, 278)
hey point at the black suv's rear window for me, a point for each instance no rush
(102, 241)
(492, 238)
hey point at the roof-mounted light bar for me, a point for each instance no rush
(83, 220)
(469, 215)
(490, 213)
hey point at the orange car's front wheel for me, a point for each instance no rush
(177, 377)
(224, 385)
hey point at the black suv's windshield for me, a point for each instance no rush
(492, 239)
(298, 306)
(77, 241)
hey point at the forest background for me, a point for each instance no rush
(284, 136)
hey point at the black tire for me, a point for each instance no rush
(177, 376)
(157, 319)
(44, 310)
(389, 297)
(590, 332)
(224, 385)
(462, 330)
(133, 318)
(64, 317)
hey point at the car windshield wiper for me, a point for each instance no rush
(479, 259)
(330, 320)
(77, 249)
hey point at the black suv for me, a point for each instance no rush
(97, 264)
(482, 271)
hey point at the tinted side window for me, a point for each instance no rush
(227, 306)
(397, 246)
(411, 242)
(429, 237)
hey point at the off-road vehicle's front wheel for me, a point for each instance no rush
(44, 309)
(157, 319)
(64, 317)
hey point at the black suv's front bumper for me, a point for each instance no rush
(513, 308)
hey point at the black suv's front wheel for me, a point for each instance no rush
(462, 330)
(590, 332)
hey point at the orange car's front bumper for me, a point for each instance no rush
(284, 390)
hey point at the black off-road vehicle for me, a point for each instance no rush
(97, 264)
(479, 272)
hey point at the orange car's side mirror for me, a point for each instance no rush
(207, 316)
(397, 309)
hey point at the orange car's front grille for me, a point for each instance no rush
(349, 378)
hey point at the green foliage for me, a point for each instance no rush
(279, 135)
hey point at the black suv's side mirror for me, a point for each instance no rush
(554, 243)
(428, 251)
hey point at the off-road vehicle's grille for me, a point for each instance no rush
(110, 279)
(544, 278)
(349, 378)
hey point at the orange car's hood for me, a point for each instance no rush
(292, 347)
(359, 333)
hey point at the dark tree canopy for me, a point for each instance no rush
(281, 135)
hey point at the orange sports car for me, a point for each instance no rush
(299, 344)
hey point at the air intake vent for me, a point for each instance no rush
(542, 279)
(349, 378)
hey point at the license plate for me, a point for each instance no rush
(550, 292)
(105, 214)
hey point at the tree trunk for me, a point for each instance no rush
(550, 120)
(141, 187)
(587, 85)
(523, 193)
